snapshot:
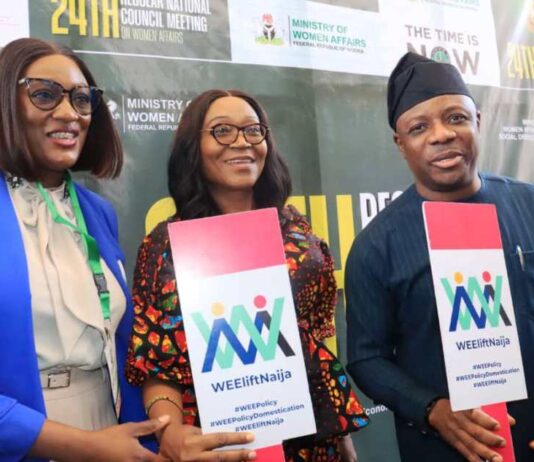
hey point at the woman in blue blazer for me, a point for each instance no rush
(64, 307)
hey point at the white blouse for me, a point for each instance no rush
(67, 317)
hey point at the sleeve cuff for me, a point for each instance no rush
(19, 428)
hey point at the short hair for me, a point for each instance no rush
(102, 151)
(186, 184)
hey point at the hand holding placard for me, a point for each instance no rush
(471, 432)
(184, 442)
(500, 413)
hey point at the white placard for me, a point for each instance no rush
(476, 314)
(483, 361)
(269, 396)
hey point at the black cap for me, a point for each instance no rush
(416, 79)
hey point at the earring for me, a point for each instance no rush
(14, 181)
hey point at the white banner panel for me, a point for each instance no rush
(307, 35)
(14, 20)
(460, 32)
(313, 35)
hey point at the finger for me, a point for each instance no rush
(453, 437)
(148, 456)
(485, 437)
(160, 458)
(466, 452)
(484, 420)
(511, 420)
(477, 450)
(228, 456)
(192, 430)
(469, 455)
(149, 426)
(219, 440)
(470, 424)
(531, 444)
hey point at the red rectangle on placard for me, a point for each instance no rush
(227, 243)
(453, 225)
(500, 413)
(270, 454)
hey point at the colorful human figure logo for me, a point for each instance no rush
(472, 301)
(240, 321)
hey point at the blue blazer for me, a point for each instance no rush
(22, 410)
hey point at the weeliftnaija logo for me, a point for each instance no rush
(475, 301)
(229, 329)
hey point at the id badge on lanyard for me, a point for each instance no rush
(93, 259)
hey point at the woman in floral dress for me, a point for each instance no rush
(224, 160)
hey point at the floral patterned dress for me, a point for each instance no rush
(158, 346)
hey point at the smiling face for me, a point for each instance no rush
(439, 140)
(237, 167)
(55, 137)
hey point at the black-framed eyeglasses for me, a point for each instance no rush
(227, 134)
(47, 95)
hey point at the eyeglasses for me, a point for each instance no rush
(227, 134)
(47, 95)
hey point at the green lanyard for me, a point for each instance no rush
(93, 254)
